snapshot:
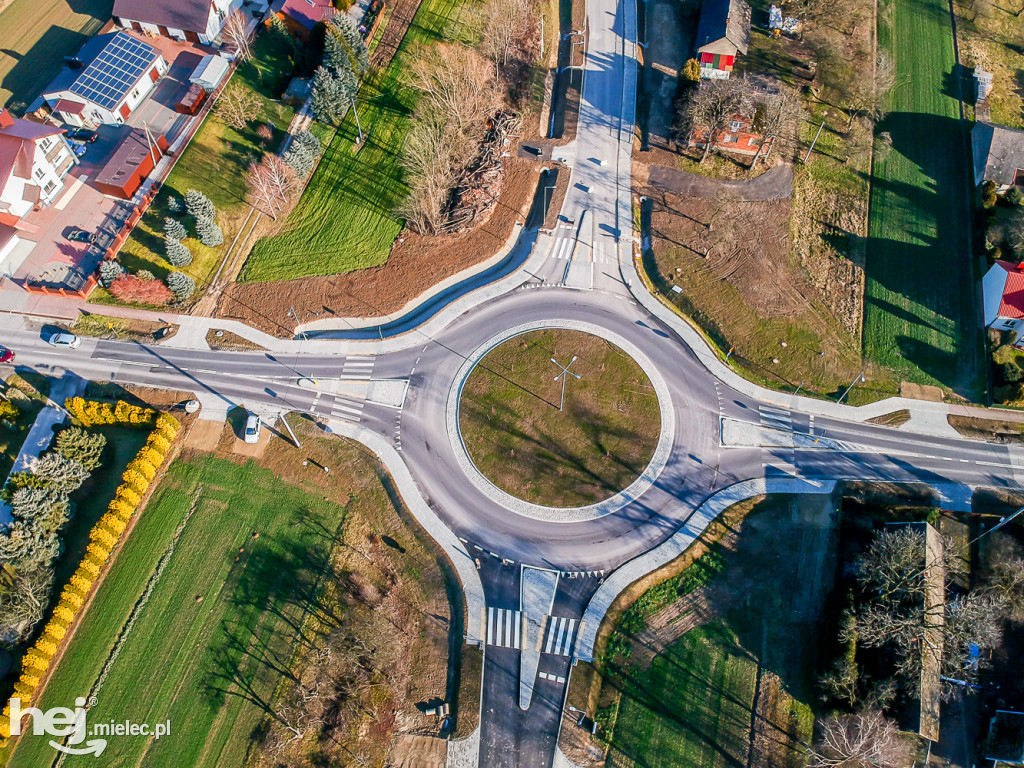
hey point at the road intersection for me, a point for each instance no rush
(727, 434)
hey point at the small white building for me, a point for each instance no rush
(198, 21)
(111, 76)
(1003, 294)
(210, 72)
(34, 159)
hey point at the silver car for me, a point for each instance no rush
(252, 428)
(64, 339)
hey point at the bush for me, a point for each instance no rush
(691, 70)
(1014, 196)
(110, 270)
(8, 410)
(1011, 373)
(84, 447)
(133, 290)
(181, 285)
(91, 413)
(209, 233)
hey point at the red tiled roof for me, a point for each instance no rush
(308, 12)
(69, 107)
(1012, 304)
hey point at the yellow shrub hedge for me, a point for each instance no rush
(103, 537)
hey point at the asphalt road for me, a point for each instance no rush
(580, 282)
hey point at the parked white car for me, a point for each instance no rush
(252, 428)
(63, 339)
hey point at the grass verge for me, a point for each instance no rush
(346, 218)
(518, 438)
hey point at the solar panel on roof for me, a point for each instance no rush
(113, 72)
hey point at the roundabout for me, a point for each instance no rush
(555, 457)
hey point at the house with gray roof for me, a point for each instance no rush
(723, 33)
(998, 155)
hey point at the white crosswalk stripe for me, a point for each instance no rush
(504, 628)
(559, 635)
(553, 678)
(346, 408)
(778, 462)
(357, 367)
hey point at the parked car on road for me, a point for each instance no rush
(77, 148)
(83, 134)
(77, 235)
(252, 428)
(6, 355)
(64, 339)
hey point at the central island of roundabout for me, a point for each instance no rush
(562, 422)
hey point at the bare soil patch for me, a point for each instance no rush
(416, 264)
(921, 391)
(204, 435)
(894, 419)
(411, 751)
(220, 339)
(996, 430)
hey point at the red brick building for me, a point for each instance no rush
(739, 137)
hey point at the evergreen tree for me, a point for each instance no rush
(279, 36)
(178, 253)
(346, 29)
(199, 206)
(303, 153)
(84, 447)
(110, 270)
(181, 285)
(209, 233)
(174, 229)
(328, 100)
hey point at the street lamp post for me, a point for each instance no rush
(860, 378)
(563, 376)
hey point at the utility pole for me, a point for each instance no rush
(860, 378)
(811, 148)
(356, 113)
(563, 376)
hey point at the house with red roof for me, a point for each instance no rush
(1003, 292)
(34, 159)
(300, 16)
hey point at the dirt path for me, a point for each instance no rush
(394, 32)
(774, 184)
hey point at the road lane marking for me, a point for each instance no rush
(500, 625)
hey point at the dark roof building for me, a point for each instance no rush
(133, 160)
(1006, 738)
(198, 21)
(998, 154)
(307, 13)
(723, 33)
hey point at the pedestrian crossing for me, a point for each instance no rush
(779, 461)
(563, 243)
(553, 678)
(347, 408)
(357, 367)
(559, 635)
(504, 628)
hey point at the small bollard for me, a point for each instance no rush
(305, 462)
(327, 470)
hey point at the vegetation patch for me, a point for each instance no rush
(520, 440)
(919, 314)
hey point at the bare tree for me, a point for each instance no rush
(429, 159)
(777, 115)
(710, 107)
(272, 183)
(505, 21)
(238, 106)
(1005, 576)
(898, 614)
(456, 85)
(864, 740)
(23, 602)
(235, 34)
(866, 93)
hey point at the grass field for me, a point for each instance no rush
(346, 218)
(35, 36)
(261, 562)
(518, 438)
(214, 163)
(919, 314)
(690, 707)
(989, 36)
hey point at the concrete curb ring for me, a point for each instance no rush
(623, 498)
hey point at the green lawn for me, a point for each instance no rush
(346, 218)
(517, 436)
(198, 662)
(214, 163)
(35, 36)
(690, 707)
(919, 316)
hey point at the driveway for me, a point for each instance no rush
(774, 184)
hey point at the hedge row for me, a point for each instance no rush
(103, 537)
(92, 413)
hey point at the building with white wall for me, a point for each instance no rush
(111, 76)
(198, 21)
(34, 159)
(1003, 295)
